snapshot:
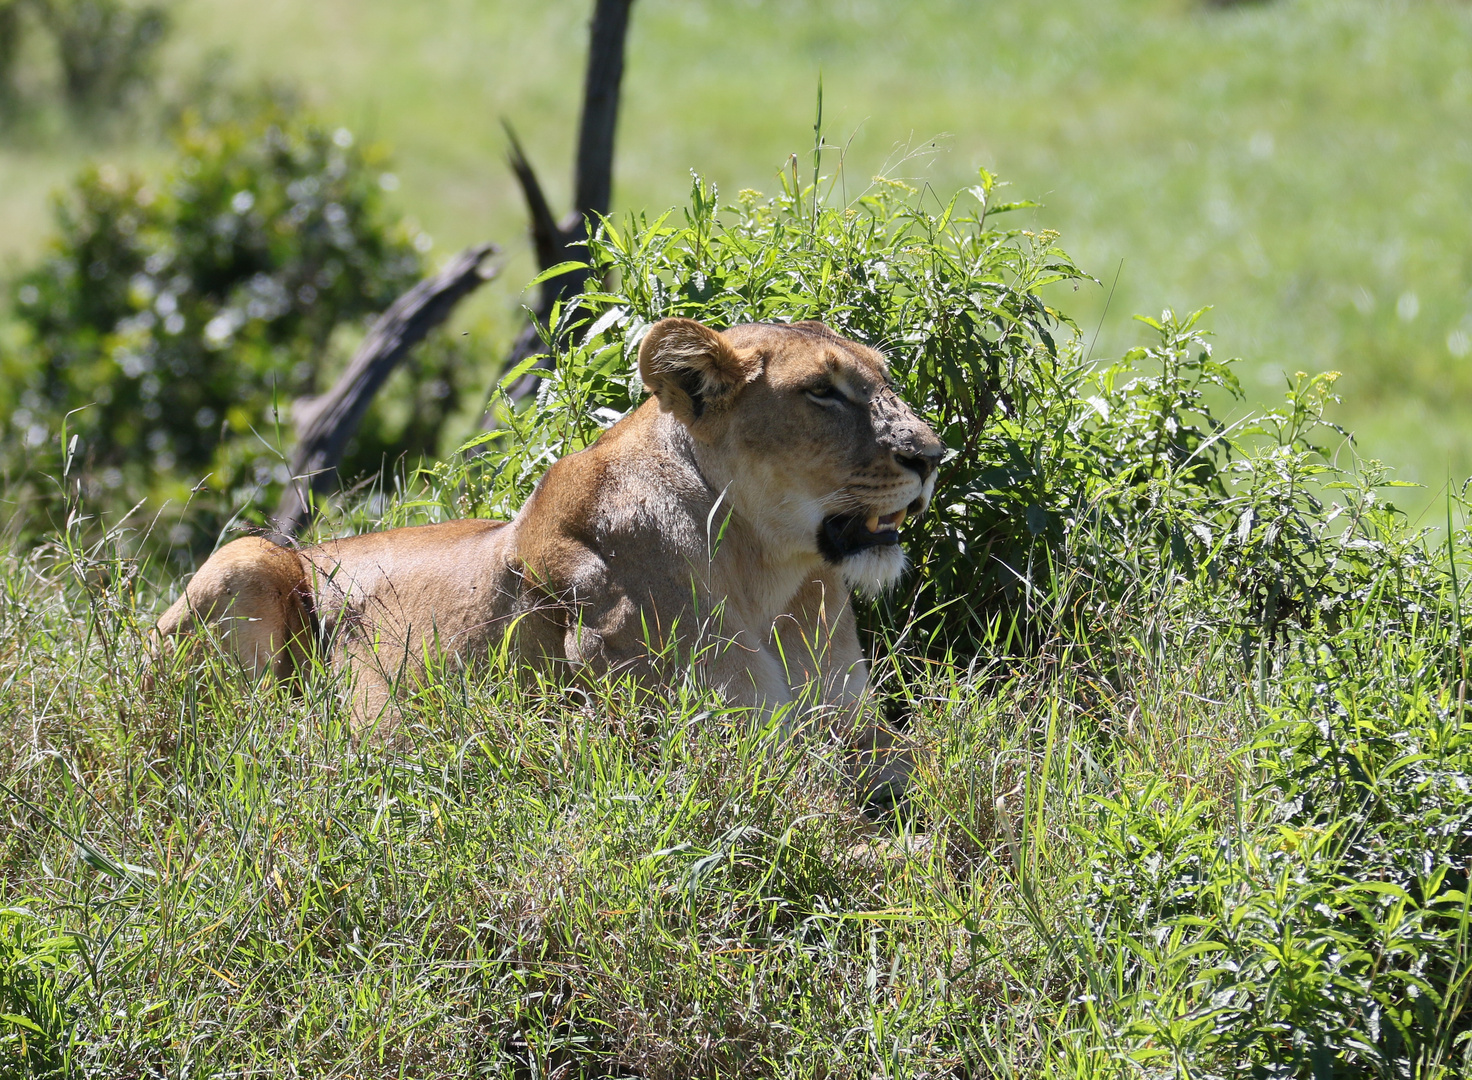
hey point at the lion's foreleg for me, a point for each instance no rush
(747, 673)
(618, 636)
(819, 644)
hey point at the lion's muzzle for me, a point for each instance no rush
(843, 535)
(914, 454)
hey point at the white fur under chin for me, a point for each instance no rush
(873, 570)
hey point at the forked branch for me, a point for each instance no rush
(326, 423)
(556, 241)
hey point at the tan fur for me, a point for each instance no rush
(694, 523)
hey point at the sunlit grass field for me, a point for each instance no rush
(1134, 852)
(1303, 165)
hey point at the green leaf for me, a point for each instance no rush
(1384, 888)
(21, 1021)
(557, 271)
(1008, 207)
(522, 367)
(480, 440)
(98, 861)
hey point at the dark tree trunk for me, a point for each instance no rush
(327, 422)
(556, 241)
(593, 190)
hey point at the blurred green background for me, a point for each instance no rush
(1305, 166)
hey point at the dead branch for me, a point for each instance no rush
(326, 423)
(593, 186)
(555, 241)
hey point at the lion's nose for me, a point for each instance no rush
(924, 463)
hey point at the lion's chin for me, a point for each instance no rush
(873, 570)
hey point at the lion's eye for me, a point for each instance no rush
(824, 395)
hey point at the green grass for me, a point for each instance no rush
(1302, 165)
(1195, 799)
(1120, 857)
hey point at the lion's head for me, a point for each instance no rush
(802, 431)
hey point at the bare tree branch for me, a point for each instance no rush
(592, 186)
(551, 240)
(327, 422)
(546, 232)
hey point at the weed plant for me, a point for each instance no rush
(1193, 792)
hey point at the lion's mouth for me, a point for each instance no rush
(843, 535)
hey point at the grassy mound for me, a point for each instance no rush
(1194, 784)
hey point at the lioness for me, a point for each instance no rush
(728, 516)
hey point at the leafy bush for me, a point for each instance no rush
(10, 24)
(106, 50)
(175, 318)
(1060, 471)
(1323, 932)
(34, 1009)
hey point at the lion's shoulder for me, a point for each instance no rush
(627, 509)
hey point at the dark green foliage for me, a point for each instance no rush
(1323, 932)
(106, 51)
(175, 317)
(35, 1014)
(106, 48)
(1063, 474)
(10, 40)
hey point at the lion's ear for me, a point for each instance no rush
(689, 367)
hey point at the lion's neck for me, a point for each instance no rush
(761, 586)
(759, 561)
